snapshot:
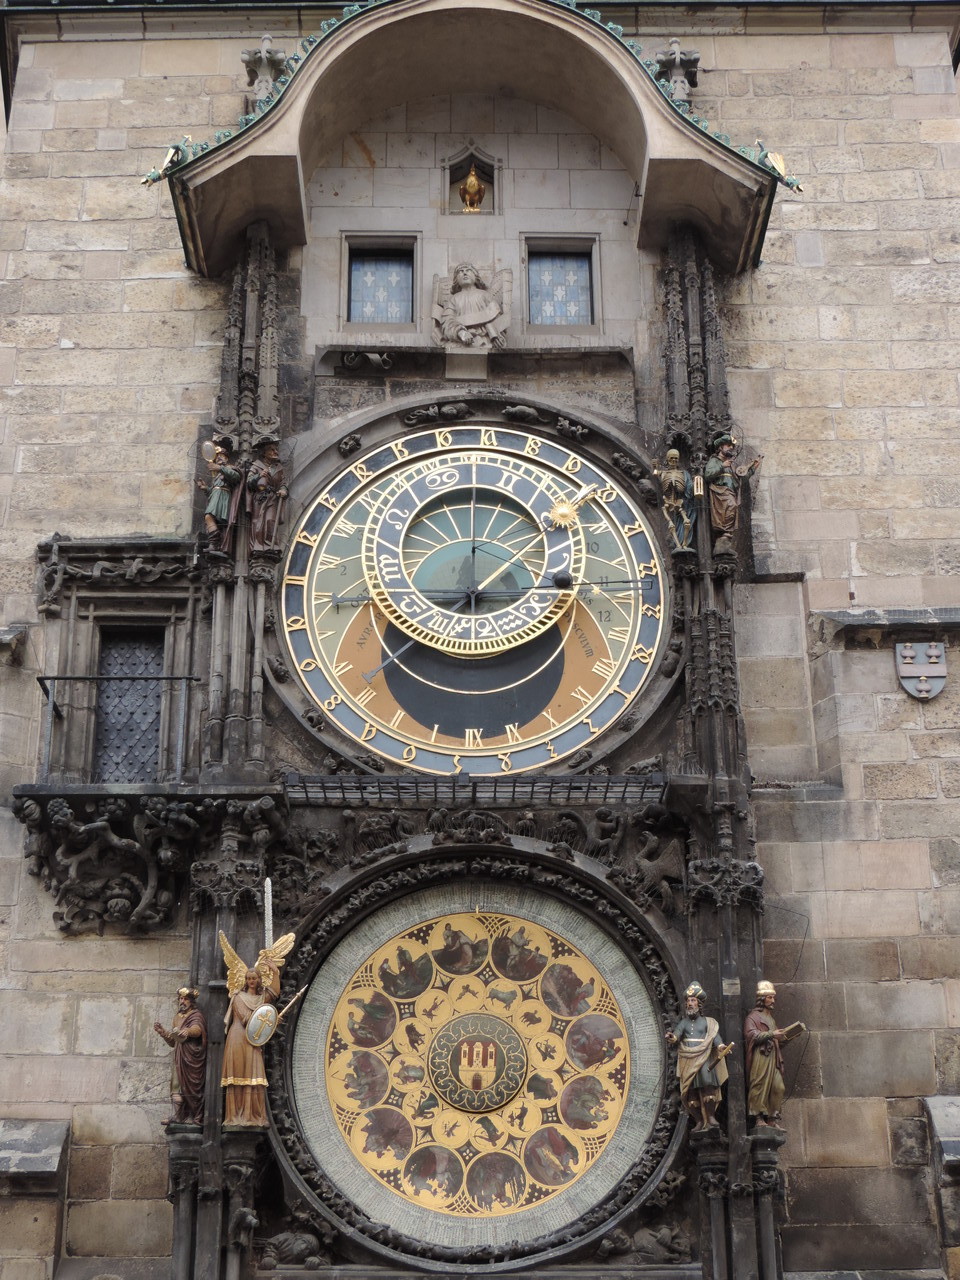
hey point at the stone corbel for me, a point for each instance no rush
(109, 860)
(12, 641)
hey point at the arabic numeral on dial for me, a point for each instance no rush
(308, 664)
(604, 616)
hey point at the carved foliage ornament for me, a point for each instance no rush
(109, 861)
(721, 883)
(105, 564)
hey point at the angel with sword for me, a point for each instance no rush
(249, 989)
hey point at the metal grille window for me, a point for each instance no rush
(561, 288)
(381, 287)
(129, 691)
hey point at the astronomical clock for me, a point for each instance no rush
(478, 1064)
(477, 1070)
(474, 599)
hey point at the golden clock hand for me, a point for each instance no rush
(516, 556)
(563, 514)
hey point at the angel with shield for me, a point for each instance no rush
(248, 1027)
(468, 312)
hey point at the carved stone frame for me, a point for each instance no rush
(86, 585)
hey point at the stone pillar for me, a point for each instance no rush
(184, 1142)
(711, 1152)
(764, 1144)
(240, 1159)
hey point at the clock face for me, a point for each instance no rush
(474, 1033)
(477, 1064)
(473, 599)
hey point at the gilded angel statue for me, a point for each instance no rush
(248, 1027)
(467, 312)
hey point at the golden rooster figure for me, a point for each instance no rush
(472, 191)
(244, 1077)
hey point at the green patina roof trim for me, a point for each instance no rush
(183, 153)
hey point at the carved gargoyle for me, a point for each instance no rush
(655, 868)
(303, 1244)
(99, 876)
(646, 1244)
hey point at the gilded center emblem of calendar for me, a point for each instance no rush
(477, 1062)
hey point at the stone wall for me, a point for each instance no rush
(556, 181)
(845, 354)
(109, 359)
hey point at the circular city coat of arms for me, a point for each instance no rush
(477, 1062)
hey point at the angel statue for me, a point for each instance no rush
(468, 313)
(244, 1076)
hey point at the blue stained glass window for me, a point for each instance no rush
(561, 288)
(381, 288)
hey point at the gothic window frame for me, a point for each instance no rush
(87, 590)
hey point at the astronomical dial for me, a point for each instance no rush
(473, 599)
(473, 553)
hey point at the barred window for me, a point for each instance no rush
(129, 693)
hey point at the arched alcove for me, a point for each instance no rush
(539, 50)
